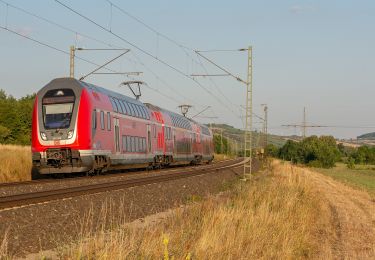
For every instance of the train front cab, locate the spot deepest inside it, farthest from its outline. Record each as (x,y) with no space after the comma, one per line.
(58,134)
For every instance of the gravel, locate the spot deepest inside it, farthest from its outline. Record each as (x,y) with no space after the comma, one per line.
(48,225)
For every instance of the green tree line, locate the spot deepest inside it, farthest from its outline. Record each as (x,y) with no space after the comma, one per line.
(322,152)
(15,119)
(312,151)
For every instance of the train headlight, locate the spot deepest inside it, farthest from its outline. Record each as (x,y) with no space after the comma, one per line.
(43,135)
(70,134)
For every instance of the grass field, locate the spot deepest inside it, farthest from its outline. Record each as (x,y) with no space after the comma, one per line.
(261,218)
(362,177)
(15,163)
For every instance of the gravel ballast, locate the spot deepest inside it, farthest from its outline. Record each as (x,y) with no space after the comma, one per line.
(48,225)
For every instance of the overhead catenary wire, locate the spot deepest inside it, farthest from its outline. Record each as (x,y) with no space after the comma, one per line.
(147,26)
(65,28)
(51,46)
(140,49)
(183,47)
(82,59)
(58,25)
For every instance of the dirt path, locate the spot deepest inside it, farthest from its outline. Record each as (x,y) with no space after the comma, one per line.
(352,217)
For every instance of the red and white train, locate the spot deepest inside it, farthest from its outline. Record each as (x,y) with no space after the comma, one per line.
(78,127)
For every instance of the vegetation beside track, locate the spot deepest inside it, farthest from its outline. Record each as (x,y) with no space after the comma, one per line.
(15,163)
(362,176)
(274,215)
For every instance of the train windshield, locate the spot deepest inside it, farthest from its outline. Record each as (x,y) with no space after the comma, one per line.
(58,108)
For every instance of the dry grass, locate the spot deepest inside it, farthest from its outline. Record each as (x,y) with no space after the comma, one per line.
(272,216)
(222,157)
(15,163)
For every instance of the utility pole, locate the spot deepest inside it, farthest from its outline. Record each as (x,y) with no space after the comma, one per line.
(265,124)
(72,54)
(304,123)
(73,50)
(249,101)
(221,141)
(248,116)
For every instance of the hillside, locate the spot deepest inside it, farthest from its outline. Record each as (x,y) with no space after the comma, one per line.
(368,136)
(238,135)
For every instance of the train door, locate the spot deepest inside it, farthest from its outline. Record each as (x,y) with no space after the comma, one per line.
(117,134)
(174,141)
(149,140)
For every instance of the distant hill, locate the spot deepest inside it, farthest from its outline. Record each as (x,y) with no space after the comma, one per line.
(238,134)
(368,136)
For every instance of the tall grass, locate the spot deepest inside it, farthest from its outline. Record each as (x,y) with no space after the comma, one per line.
(15,163)
(272,216)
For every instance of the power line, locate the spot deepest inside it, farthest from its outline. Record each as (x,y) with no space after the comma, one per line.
(50,46)
(139,49)
(82,34)
(57,24)
(183,47)
(147,26)
(85,60)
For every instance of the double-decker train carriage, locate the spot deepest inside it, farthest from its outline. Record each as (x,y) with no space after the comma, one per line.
(79,127)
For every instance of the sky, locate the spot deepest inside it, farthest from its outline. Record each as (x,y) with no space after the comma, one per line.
(314,54)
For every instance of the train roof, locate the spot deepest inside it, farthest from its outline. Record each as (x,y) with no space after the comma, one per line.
(177,119)
(75,84)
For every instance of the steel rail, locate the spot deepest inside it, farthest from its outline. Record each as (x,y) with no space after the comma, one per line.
(25,199)
(110,174)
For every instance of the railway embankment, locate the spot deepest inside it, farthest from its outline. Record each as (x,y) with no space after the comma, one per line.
(287,212)
(51,223)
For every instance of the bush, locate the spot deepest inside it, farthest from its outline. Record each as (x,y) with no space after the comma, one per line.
(350,163)
(313,151)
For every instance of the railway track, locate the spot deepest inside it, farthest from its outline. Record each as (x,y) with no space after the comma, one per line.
(106,176)
(68,192)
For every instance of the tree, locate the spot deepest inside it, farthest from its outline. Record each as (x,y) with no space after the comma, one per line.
(272,150)
(290,151)
(15,119)
(313,151)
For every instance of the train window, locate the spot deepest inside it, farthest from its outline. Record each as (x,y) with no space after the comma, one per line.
(136,113)
(146,113)
(102,120)
(122,107)
(128,146)
(132,140)
(141,114)
(108,121)
(143,110)
(144,145)
(132,112)
(119,106)
(94,119)
(114,105)
(125,108)
(139,111)
(123,143)
(140,148)
(128,108)
(136,144)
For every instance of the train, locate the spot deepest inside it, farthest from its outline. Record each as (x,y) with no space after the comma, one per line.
(81,128)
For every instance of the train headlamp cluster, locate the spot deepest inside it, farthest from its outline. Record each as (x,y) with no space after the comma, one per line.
(70,134)
(43,135)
